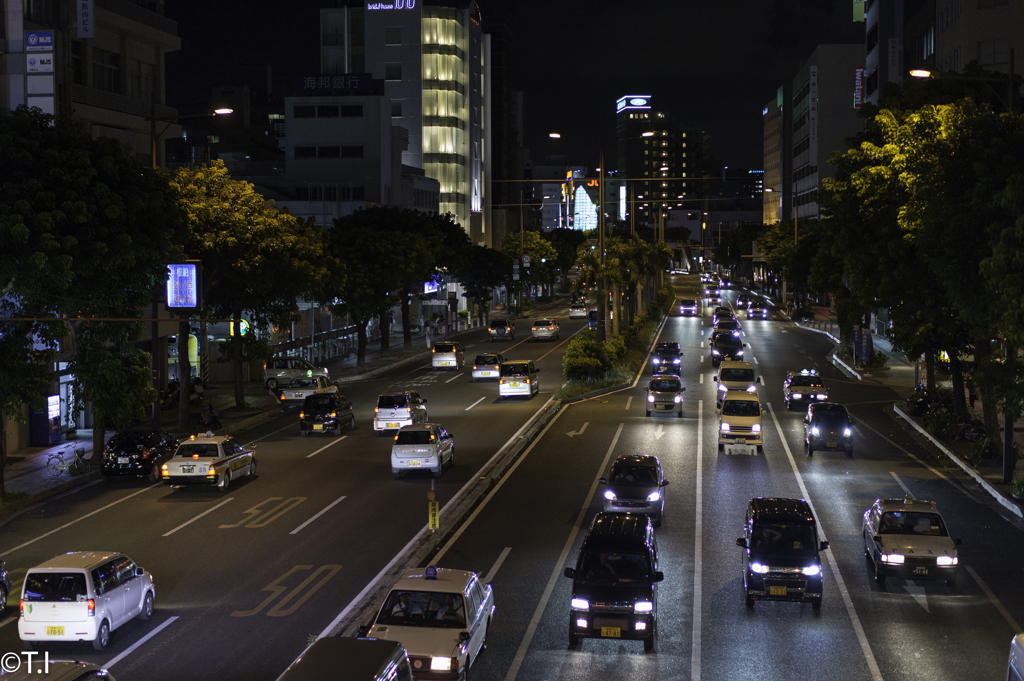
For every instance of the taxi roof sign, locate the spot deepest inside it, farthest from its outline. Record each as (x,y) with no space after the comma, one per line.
(430,572)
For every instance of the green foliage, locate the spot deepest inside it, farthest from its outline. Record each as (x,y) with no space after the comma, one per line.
(1018,486)
(118,384)
(256,348)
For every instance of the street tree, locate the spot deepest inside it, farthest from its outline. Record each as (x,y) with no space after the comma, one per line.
(517,244)
(482,272)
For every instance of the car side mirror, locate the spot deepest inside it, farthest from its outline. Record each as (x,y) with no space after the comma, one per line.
(682,390)
(362,631)
(603,481)
(659,576)
(763,410)
(663,483)
(822,546)
(852,422)
(741,542)
(423,401)
(878,540)
(958,542)
(715,379)
(806,420)
(570,573)
(463,636)
(139,572)
(536,371)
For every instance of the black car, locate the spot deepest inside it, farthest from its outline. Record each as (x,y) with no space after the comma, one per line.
(725,346)
(5,585)
(137,451)
(781,561)
(667,358)
(828,427)
(615,581)
(721,312)
(326,413)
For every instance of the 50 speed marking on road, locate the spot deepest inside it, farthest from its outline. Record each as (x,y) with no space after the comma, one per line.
(258,517)
(325,572)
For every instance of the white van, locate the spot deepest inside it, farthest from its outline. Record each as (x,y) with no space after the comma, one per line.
(739,422)
(518,377)
(83,596)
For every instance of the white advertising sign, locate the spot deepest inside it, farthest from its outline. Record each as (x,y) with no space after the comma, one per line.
(41,62)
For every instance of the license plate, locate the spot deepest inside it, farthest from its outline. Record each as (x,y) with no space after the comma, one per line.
(297,396)
(515,385)
(122,459)
(776,591)
(920,571)
(414,462)
(486,373)
(830,444)
(662,406)
(188,469)
(54,631)
(612,632)
(318,426)
(391,425)
(445,363)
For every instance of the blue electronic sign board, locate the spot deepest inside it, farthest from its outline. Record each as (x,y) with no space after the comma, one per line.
(183,285)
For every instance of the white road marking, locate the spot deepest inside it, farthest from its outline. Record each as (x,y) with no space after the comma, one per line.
(754,359)
(660,431)
(865,647)
(698,547)
(899,482)
(918,594)
(702,343)
(497,564)
(561,343)
(702,379)
(629,401)
(475,403)
(702,359)
(995,601)
(189,522)
(423,368)
(531,629)
(274,433)
(138,643)
(8,621)
(454,377)
(571,433)
(331,444)
(325,510)
(65,525)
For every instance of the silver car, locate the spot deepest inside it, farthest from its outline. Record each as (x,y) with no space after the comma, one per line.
(398,409)
(665,395)
(634,486)
(447,355)
(578,311)
(545,329)
(501,329)
(487,366)
(283,369)
(426,446)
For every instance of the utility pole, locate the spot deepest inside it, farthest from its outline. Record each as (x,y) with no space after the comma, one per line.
(602,288)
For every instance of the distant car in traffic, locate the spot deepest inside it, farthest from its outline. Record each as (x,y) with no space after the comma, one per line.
(545,329)
(398,409)
(592,320)
(803,387)
(209,460)
(742,301)
(908,538)
(665,395)
(5,586)
(578,311)
(283,369)
(714,299)
(501,329)
(734,376)
(518,378)
(59,670)
(327,413)
(487,366)
(739,421)
(424,446)
(634,485)
(447,355)
(666,358)
(721,312)
(728,324)
(687,306)
(297,390)
(366,659)
(138,451)
(828,427)
(757,310)
(725,346)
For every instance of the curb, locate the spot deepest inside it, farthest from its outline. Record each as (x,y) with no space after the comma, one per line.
(32,499)
(985,484)
(846,368)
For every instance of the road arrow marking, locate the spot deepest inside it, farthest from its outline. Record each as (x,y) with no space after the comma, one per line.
(919,595)
(661,431)
(580,431)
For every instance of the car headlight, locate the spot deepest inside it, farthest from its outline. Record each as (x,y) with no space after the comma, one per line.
(643,606)
(847,432)
(654,496)
(580,604)
(722,388)
(609,495)
(759,568)
(822,396)
(736,333)
(724,427)
(656,360)
(752,388)
(650,397)
(893,558)
(739,353)
(812,570)
(677,399)
(714,352)
(814,431)
(756,428)
(675,361)
(946,561)
(796,396)
(441,664)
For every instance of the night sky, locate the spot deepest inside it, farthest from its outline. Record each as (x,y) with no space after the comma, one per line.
(712,63)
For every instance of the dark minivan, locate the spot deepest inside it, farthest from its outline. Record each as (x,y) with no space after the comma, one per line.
(615,581)
(326,413)
(781,562)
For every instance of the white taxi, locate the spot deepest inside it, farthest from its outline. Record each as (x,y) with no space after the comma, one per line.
(908,538)
(209,460)
(441,616)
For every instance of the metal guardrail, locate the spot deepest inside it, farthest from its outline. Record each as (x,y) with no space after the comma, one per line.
(297,343)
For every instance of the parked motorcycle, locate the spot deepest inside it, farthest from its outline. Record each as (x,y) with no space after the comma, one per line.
(209,421)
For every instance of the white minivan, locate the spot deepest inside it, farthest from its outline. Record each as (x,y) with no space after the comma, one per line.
(518,378)
(83,596)
(739,422)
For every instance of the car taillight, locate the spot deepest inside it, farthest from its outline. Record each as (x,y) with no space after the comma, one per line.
(282,398)
(334,414)
(145,452)
(474,367)
(408,410)
(376,410)
(501,381)
(21,608)
(527,381)
(92,607)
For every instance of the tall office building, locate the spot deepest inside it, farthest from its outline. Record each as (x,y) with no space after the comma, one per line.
(431,57)
(777,199)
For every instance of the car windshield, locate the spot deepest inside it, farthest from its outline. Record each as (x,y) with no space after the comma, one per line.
(303,383)
(812,381)
(413,437)
(913,522)
(578,307)
(600,567)
(781,539)
(497,323)
(319,402)
(739,375)
(727,323)
(68,587)
(727,340)
(741,408)
(830,421)
(686,302)
(626,474)
(423,609)
(665,385)
(444,347)
(190,449)
(391,402)
(514,369)
(542,322)
(486,359)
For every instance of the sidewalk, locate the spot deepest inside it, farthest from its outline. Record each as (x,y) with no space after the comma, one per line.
(25,474)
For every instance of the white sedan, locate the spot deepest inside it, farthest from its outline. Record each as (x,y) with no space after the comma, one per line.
(209,460)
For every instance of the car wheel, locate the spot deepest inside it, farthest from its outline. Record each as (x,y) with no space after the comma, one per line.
(879,573)
(849,453)
(147,607)
(760,449)
(437,471)
(657,520)
(271,383)
(395,473)
(867,551)
(3,599)
(750,601)
(352,423)
(379,433)
(224,481)
(649,643)
(574,640)
(102,639)
(648,412)
(451,459)
(679,414)
(816,605)
(251,473)
(303,433)
(810,450)
(30,645)
(154,473)
(721,447)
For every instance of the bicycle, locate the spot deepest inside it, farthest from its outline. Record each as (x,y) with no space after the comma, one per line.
(56,464)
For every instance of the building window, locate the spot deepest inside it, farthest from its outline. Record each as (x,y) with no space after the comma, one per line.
(358,194)
(393,35)
(106,71)
(304,111)
(352,111)
(327,111)
(305,152)
(328,152)
(393,71)
(141,80)
(396,109)
(352,151)
(77,63)
(872,82)
(872,39)
(992,52)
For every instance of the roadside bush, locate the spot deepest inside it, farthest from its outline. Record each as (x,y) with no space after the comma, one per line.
(582,368)
(878,360)
(614,349)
